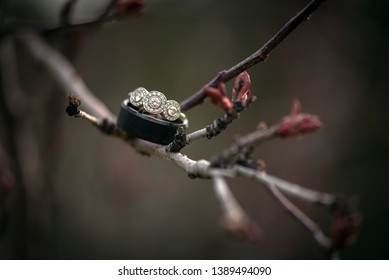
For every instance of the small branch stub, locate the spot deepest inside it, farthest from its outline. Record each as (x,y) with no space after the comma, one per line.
(105,125)
(73,108)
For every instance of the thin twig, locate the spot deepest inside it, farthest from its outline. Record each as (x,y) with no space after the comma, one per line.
(259,56)
(232,211)
(196,135)
(212,130)
(257,137)
(312,196)
(103,124)
(72,27)
(229,155)
(194,168)
(92,119)
(115,10)
(220,124)
(64,73)
(299,215)
(234,218)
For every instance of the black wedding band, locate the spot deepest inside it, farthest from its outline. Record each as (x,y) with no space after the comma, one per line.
(147,127)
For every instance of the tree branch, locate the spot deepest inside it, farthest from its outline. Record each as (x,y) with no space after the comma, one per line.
(308,195)
(299,215)
(295,124)
(212,130)
(196,135)
(234,219)
(64,73)
(259,56)
(230,155)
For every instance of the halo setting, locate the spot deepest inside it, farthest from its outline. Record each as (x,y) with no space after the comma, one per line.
(172,110)
(136,97)
(154,102)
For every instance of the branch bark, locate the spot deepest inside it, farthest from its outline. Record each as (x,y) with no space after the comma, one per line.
(234,218)
(299,215)
(300,192)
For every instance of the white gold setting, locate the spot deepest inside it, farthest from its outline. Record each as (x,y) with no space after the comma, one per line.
(136,96)
(172,110)
(154,102)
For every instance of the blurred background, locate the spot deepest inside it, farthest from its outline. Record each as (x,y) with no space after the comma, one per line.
(92,197)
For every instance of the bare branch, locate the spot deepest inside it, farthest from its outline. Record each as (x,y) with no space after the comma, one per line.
(259,56)
(64,73)
(295,124)
(181,139)
(231,209)
(196,135)
(92,119)
(302,218)
(194,168)
(312,196)
(299,215)
(215,128)
(234,218)
(106,126)
(115,10)
(229,156)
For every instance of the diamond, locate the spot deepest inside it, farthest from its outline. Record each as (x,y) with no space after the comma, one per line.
(154,102)
(172,110)
(137,96)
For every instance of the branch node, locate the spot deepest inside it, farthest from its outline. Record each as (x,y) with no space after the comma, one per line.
(110,128)
(221,124)
(179,141)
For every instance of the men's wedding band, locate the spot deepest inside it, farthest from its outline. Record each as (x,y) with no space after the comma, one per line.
(148,127)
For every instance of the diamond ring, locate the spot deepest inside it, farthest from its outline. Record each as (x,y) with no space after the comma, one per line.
(172,110)
(136,96)
(155,103)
